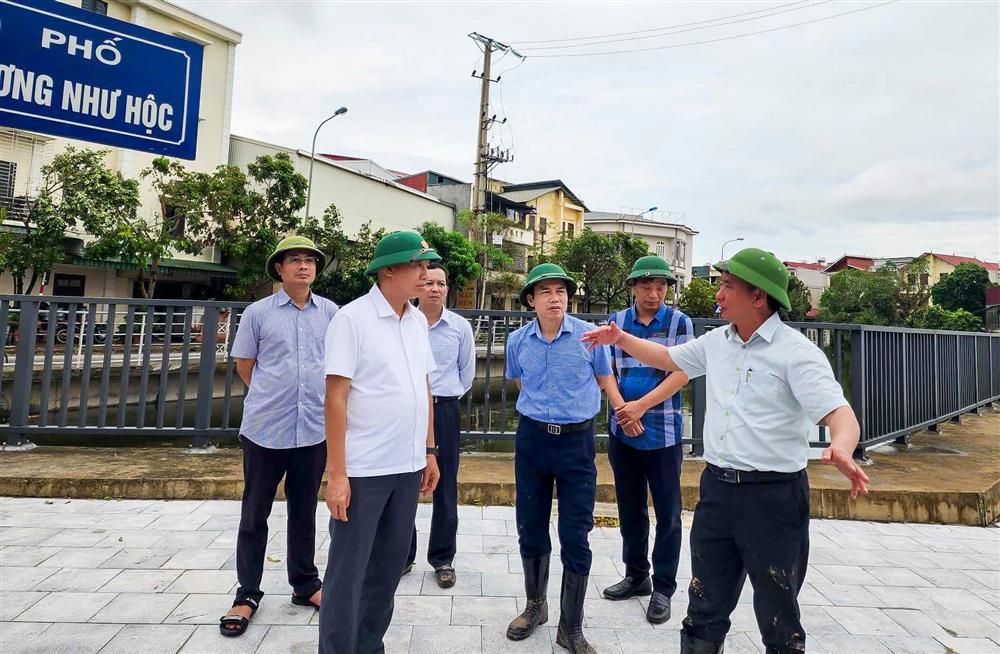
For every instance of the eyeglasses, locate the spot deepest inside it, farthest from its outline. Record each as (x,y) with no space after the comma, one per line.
(297,261)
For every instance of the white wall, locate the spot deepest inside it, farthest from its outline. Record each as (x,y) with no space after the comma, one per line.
(359,197)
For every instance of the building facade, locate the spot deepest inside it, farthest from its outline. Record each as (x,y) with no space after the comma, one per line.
(359,195)
(665,238)
(23,154)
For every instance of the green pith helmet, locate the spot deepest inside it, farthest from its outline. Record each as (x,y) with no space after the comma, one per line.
(401,247)
(543,272)
(761,269)
(650,267)
(293,243)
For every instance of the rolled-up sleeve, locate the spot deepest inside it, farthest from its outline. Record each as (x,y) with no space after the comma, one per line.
(513,370)
(602,361)
(690,357)
(813,385)
(245,343)
(342,347)
(466,357)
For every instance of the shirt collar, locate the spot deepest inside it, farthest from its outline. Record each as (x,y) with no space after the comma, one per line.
(445,318)
(766,330)
(658,317)
(565,327)
(384,309)
(284,298)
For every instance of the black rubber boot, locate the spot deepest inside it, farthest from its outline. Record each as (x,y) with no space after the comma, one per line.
(692,645)
(536,610)
(570,633)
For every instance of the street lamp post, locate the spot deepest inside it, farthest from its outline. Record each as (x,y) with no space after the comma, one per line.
(640,216)
(312,156)
(732,240)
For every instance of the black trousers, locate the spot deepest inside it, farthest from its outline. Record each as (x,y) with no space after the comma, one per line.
(444,519)
(755,529)
(263,468)
(367,554)
(567,459)
(639,473)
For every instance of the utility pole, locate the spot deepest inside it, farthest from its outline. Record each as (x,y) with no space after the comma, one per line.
(486,157)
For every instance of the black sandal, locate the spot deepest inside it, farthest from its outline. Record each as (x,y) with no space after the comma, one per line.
(305,601)
(236,625)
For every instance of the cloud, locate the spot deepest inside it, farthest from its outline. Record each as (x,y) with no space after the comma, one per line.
(861,133)
(918,190)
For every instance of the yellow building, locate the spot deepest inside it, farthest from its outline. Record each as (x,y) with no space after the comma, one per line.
(23,154)
(940,266)
(558,210)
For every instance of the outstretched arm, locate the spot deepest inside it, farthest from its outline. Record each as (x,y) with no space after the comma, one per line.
(652,354)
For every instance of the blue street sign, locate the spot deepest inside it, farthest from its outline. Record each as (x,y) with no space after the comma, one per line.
(73,73)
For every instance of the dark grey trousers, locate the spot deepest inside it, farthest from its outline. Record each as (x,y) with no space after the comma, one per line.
(367,554)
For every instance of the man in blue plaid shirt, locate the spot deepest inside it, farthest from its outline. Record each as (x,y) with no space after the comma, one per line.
(645,444)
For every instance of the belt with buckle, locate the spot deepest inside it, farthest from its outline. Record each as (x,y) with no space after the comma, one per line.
(731,476)
(557,429)
(438,399)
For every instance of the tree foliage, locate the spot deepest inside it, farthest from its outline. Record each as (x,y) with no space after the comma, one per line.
(459,256)
(698,298)
(914,287)
(344,278)
(860,297)
(600,263)
(77,188)
(799,298)
(937,317)
(965,288)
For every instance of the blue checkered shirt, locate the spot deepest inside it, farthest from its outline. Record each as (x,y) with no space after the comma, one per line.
(283,407)
(662,423)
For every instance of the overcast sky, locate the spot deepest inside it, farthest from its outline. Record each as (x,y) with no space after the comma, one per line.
(873,133)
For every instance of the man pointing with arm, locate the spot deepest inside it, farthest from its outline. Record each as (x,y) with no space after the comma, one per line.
(767,385)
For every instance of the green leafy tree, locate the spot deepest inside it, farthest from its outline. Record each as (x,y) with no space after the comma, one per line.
(860,297)
(140,241)
(601,263)
(245,214)
(505,284)
(481,227)
(344,279)
(458,253)
(914,288)
(77,187)
(799,298)
(965,288)
(937,317)
(698,298)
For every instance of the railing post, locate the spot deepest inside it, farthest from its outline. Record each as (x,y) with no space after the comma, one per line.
(859,387)
(24,364)
(958,378)
(206,375)
(936,371)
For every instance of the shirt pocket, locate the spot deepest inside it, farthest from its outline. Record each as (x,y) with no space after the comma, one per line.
(762,391)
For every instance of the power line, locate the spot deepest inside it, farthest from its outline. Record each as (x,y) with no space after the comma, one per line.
(716,40)
(658,29)
(679,31)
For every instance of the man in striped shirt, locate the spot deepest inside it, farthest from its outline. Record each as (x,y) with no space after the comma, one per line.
(645,444)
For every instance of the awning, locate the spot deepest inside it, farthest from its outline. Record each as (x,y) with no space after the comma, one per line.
(166,265)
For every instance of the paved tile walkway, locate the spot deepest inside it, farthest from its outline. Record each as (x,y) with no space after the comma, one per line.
(141,576)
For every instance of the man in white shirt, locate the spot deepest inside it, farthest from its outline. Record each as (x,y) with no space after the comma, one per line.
(767,386)
(380,444)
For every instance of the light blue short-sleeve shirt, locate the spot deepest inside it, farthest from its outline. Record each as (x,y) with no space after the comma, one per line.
(557,376)
(764,395)
(283,407)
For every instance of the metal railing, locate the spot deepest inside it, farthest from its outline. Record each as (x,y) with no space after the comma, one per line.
(149,368)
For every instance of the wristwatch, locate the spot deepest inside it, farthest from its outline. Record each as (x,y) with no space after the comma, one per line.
(432,450)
